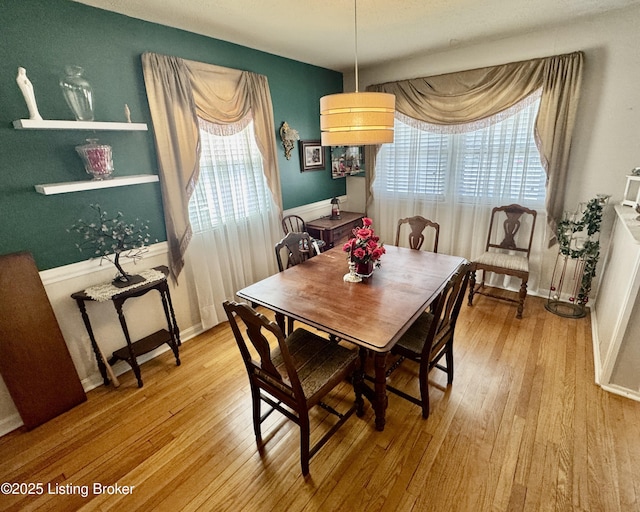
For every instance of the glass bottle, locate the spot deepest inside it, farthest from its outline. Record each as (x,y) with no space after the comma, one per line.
(77,93)
(97,159)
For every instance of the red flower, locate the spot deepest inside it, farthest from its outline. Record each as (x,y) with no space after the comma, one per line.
(364,233)
(365,246)
(348,246)
(359,253)
(377,253)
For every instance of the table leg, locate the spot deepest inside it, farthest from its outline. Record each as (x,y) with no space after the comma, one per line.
(94,345)
(164,293)
(380,387)
(280,321)
(132,356)
(175,331)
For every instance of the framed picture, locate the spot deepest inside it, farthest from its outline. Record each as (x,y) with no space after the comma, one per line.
(347,161)
(311,155)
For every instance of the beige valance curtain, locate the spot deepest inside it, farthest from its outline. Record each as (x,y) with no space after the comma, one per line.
(179,91)
(470,96)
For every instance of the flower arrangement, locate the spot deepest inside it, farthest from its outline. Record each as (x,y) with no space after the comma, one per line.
(365,247)
(111,236)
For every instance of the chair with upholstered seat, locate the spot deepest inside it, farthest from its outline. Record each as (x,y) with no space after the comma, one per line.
(430,338)
(417,225)
(294,375)
(295,224)
(507,257)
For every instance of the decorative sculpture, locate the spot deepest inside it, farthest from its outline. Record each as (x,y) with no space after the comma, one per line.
(288,136)
(27,91)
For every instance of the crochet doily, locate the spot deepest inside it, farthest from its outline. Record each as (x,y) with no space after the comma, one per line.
(105,291)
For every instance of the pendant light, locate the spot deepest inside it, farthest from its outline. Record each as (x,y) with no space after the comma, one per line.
(357,118)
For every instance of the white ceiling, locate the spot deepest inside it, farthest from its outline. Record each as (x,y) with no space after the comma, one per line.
(321,32)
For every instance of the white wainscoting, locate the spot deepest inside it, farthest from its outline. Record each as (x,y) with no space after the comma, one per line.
(314,211)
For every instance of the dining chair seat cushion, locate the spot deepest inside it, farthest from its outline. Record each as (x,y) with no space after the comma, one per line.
(502,260)
(315,359)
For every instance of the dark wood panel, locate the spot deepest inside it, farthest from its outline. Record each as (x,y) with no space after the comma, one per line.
(34,359)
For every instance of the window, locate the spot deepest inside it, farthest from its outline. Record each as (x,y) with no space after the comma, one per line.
(498,164)
(232,185)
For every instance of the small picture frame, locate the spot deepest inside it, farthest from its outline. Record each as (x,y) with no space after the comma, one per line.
(347,161)
(311,155)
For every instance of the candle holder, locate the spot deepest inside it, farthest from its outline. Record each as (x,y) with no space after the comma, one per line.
(352,277)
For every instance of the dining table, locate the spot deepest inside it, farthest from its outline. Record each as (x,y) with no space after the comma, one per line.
(372,314)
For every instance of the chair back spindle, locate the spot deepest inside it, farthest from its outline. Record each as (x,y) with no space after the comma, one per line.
(293,224)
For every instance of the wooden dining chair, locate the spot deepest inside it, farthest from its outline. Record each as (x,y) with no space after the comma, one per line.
(416,236)
(509,256)
(298,247)
(293,376)
(430,338)
(295,224)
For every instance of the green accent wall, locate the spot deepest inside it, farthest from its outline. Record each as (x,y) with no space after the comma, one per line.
(44,36)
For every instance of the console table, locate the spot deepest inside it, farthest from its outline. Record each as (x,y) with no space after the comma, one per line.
(133,349)
(333,232)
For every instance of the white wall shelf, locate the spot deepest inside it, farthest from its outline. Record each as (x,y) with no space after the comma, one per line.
(33,124)
(78,186)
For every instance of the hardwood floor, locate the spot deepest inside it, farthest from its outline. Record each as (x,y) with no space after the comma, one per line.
(523,428)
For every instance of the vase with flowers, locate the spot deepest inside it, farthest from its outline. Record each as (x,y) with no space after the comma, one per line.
(365,249)
(111,238)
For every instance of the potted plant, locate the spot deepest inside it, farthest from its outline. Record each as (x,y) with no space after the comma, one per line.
(110,238)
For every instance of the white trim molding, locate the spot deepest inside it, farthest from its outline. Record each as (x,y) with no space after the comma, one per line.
(91,266)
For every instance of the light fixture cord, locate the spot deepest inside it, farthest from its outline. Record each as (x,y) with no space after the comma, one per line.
(355,23)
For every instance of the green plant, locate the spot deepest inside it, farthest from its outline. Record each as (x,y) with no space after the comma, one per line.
(110,236)
(589,252)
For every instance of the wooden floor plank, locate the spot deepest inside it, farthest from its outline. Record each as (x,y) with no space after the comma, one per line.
(523,428)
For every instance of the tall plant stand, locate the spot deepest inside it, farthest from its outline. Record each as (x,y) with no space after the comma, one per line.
(564,292)
(578,253)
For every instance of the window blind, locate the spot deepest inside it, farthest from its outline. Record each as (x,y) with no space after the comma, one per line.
(496,164)
(232,185)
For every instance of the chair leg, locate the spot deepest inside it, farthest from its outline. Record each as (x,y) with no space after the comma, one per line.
(255,398)
(358,385)
(424,389)
(449,359)
(521,296)
(472,286)
(304,442)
